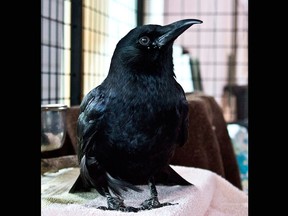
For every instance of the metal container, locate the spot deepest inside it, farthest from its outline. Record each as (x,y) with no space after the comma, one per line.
(53,126)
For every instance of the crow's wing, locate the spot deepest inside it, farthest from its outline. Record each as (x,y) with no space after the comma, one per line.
(183,110)
(90,121)
(90,118)
(92,110)
(168,176)
(184,123)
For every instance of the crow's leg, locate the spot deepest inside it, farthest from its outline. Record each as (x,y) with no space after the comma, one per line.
(153,202)
(116,203)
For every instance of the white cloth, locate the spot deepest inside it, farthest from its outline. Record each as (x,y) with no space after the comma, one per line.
(211,195)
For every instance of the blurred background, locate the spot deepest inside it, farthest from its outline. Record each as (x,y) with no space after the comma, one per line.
(78,38)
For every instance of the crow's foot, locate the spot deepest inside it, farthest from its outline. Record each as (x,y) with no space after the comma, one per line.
(115,203)
(153,202)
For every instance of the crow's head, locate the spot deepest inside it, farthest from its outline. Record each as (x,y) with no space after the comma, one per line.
(150,45)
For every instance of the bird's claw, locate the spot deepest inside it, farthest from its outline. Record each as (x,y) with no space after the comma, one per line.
(149,204)
(130,209)
(153,202)
(102,208)
(123,209)
(115,203)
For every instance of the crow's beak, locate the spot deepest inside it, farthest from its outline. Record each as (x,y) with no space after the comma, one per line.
(173,30)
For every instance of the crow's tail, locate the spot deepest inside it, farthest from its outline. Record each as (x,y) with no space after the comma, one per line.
(115,185)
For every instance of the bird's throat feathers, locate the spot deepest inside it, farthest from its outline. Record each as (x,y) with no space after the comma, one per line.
(139,64)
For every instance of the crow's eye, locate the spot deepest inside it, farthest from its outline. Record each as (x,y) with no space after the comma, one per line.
(144,40)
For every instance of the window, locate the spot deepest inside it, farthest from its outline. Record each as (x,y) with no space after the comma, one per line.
(55,51)
(102,22)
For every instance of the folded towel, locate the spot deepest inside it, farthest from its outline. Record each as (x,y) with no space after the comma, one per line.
(211,195)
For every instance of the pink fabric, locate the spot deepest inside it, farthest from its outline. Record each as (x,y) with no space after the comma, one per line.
(211,195)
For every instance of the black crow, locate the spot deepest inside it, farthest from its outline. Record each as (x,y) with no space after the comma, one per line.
(130,125)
